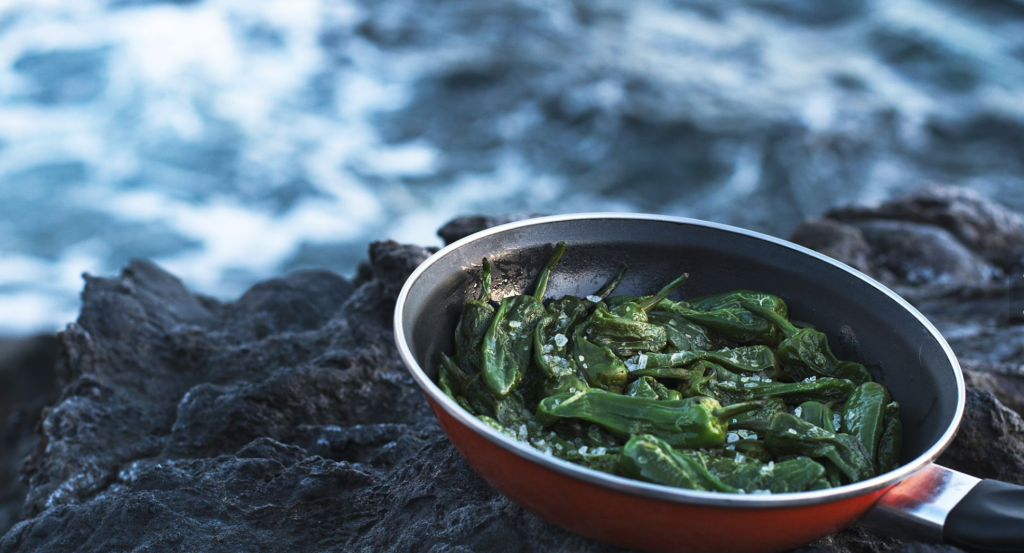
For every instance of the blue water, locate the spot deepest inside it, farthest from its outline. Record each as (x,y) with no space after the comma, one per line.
(234,140)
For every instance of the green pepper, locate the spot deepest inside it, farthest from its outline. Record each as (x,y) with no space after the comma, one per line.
(736,297)
(771,406)
(789,435)
(805,352)
(671,373)
(646,457)
(603,369)
(725,315)
(822,416)
(818,389)
(625,330)
(510,410)
(506,346)
(622,333)
(818,414)
(749,359)
(864,415)
(476,317)
(752,476)
(888,457)
(684,335)
(650,388)
(551,339)
(643,387)
(691,422)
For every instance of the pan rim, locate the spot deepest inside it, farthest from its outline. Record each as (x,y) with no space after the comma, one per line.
(657,491)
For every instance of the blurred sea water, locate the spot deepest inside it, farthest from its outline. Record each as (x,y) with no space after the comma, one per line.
(232,140)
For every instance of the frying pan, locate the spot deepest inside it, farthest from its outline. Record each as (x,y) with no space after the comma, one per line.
(866,322)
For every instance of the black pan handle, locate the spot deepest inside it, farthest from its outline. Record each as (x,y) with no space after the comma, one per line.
(941,505)
(989,519)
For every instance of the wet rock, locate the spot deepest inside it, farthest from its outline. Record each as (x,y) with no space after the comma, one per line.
(990,442)
(916,254)
(843,242)
(936,236)
(461,227)
(28,381)
(980,224)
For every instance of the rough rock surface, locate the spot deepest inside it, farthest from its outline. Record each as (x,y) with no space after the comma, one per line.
(461,227)
(938,235)
(284,421)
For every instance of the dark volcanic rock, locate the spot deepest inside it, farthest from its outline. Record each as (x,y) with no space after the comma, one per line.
(983,226)
(936,236)
(28,381)
(461,227)
(285,422)
(843,242)
(1003,380)
(990,443)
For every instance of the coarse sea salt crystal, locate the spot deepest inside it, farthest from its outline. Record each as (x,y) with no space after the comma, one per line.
(583,450)
(797,411)
(836,420)
(791,431)
(750,385)
(594,299)
(641,362)
(515,324)
(600,451)
(732,437)
(561,340)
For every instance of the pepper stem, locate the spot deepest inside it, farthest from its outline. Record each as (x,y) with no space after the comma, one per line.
(785,326)
(542,280)
(485,279)
(650,302)
(737,409)
(612,284)
(460,377)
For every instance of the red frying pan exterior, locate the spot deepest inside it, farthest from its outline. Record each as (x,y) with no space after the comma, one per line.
(614,516)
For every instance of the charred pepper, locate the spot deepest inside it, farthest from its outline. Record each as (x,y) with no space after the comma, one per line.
(506,346)
(805,352)
(691,422)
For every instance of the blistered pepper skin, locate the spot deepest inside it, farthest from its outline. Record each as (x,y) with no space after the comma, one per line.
(804,352)
(476,318)
(725,315)
(790,435)
(749,359)
(864,415)
(507,344)
(646,457)
(691,422)
(891,443)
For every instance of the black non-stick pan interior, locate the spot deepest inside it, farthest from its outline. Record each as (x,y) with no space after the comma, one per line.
(864,323)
